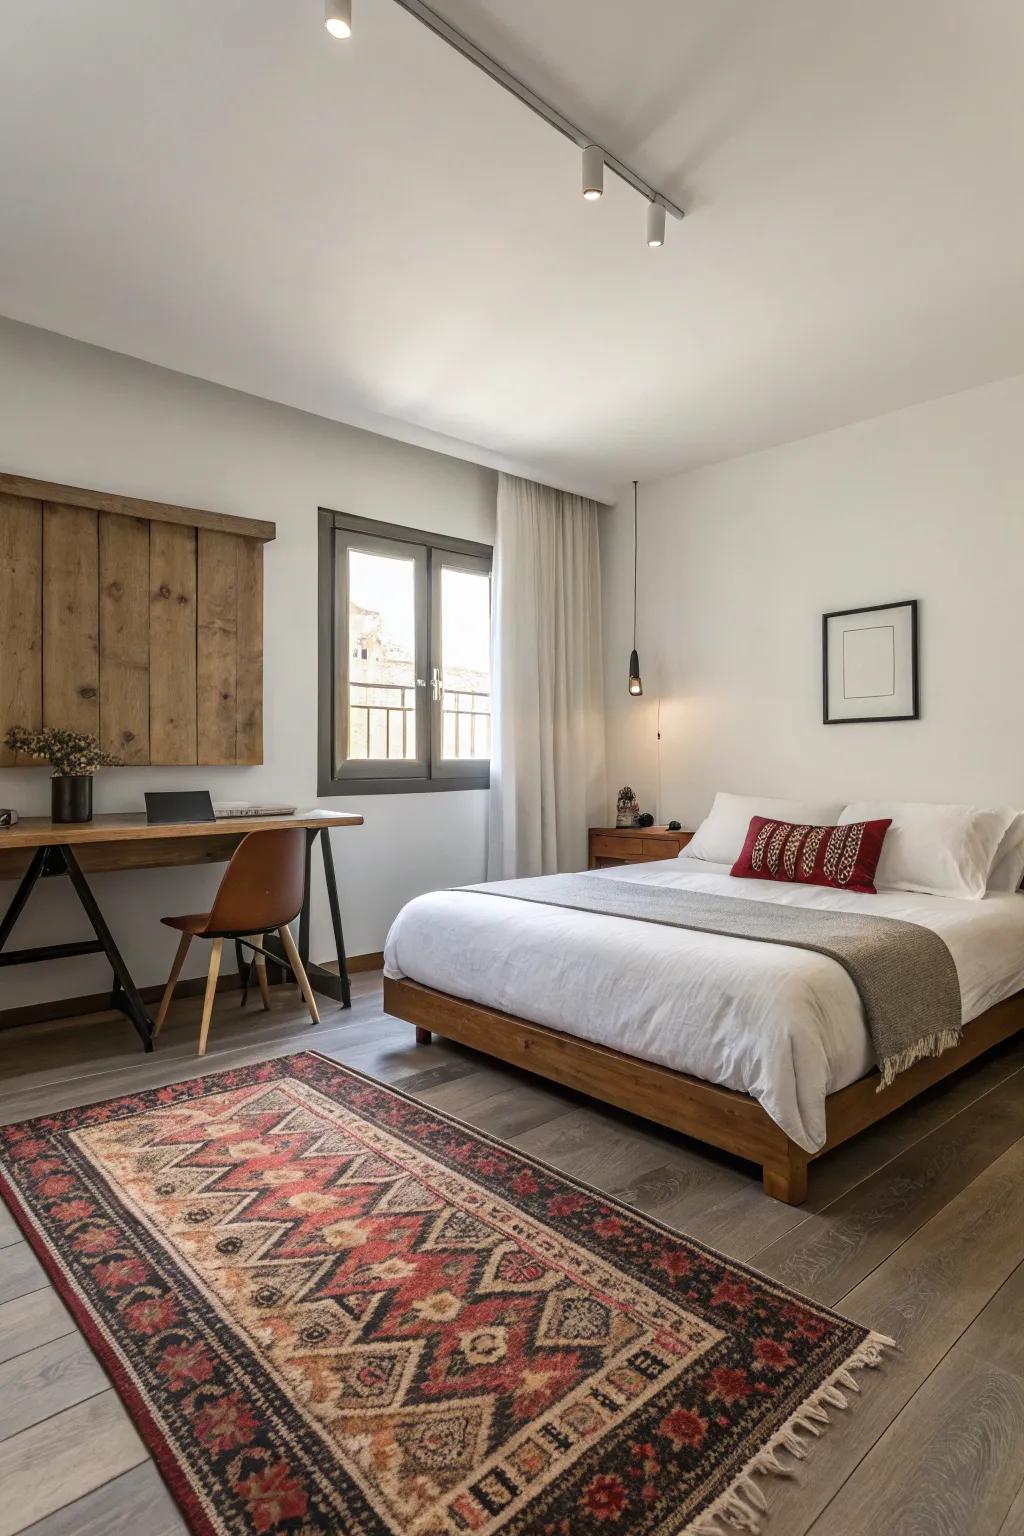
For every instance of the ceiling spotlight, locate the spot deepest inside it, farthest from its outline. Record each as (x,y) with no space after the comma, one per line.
(655,224)
(338,17)
(593,173)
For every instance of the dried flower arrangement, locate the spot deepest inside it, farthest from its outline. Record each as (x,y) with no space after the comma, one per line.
(68,752)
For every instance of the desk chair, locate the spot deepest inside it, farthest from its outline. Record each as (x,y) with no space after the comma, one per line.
(262,889)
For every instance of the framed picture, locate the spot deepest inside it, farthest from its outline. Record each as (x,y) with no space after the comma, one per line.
(869,664)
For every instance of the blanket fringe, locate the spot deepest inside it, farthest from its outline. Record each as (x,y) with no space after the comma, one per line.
(742,1505)
(928,1045)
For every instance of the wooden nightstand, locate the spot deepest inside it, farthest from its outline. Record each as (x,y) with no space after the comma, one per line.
(633,845)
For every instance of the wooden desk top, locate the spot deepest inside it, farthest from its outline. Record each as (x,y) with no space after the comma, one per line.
(40,831)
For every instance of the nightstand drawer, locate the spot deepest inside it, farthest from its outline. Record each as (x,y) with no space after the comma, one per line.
(607,847)
(661,847)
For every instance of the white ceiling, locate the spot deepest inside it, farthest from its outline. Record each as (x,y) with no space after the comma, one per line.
(374,231)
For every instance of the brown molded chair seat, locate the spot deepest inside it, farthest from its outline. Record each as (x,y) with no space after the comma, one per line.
(262,888)
(193,922)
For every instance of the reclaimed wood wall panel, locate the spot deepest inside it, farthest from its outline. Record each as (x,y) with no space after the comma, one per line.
(21,618)
(138,622)
(172,644)
(124,636)
(249,668)
(216,646)
(71,660)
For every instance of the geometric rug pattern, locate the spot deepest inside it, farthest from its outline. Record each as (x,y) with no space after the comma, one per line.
(330,1309)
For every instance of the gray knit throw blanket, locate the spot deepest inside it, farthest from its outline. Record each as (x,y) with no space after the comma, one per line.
(904,973)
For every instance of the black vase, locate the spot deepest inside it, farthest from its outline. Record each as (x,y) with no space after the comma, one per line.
(71,797)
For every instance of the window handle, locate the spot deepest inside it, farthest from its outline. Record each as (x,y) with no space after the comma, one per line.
(437,684)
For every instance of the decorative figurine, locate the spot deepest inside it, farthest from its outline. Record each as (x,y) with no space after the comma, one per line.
(675,826)
(646,820)
(627,808)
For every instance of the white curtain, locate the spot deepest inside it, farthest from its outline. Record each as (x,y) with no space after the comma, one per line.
(547,745)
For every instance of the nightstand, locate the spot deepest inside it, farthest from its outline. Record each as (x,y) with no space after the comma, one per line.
(633,845)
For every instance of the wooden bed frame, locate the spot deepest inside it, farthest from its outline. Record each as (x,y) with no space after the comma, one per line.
(733,1121)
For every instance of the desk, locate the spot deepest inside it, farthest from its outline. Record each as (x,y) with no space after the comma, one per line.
(38,848)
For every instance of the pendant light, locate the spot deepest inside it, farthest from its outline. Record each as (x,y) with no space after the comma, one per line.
(636,686)
(655,225)
(593,173)
(338,17)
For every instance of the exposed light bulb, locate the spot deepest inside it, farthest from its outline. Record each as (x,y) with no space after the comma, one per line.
(593,173)
(338,17)
(655,224)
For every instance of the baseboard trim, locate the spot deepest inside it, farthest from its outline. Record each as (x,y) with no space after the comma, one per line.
(192,986)
(99,1002)
(356,963)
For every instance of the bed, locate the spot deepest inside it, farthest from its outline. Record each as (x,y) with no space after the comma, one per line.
(755,1048)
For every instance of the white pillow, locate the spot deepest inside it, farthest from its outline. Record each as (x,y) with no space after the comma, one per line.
(722,833)
(1008,868)
(942,850)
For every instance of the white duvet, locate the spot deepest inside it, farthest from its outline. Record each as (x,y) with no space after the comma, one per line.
(782,1024)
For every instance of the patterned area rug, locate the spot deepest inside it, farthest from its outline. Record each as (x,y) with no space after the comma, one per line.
(331,1310)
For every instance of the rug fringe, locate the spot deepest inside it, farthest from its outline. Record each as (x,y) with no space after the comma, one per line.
(742,1504)
(928,1045)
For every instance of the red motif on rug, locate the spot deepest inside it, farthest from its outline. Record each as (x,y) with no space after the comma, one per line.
(332,1310)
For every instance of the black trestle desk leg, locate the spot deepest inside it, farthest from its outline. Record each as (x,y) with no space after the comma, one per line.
(311,837)
(332,898)
(125,994)
(22,894)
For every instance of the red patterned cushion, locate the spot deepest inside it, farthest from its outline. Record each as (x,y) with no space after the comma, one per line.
(842,857)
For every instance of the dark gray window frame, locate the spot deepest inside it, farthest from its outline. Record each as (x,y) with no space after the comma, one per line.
(427,773)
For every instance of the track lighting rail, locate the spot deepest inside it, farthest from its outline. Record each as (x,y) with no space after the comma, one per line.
(503,77)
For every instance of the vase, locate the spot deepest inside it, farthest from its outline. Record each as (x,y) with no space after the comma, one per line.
(71,797)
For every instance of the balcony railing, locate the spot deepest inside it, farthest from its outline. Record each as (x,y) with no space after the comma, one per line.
(382,722)
(465,724)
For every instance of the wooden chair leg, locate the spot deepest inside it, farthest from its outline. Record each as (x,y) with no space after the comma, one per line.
(299,969)
(423,1036)
(172,982)
(261,970)
(211,992)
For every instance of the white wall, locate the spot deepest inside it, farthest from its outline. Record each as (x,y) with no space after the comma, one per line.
(83,416)
(739,560)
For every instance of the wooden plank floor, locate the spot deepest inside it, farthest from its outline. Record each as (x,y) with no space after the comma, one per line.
(915,1228)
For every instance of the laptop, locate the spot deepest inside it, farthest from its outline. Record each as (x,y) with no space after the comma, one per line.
(166,807)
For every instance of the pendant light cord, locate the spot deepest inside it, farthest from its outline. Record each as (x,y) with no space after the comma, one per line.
(634,563)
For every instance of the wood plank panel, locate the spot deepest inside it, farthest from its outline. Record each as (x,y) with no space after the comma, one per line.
(925,1295)
(1013,1525)
(217,647)
(21,617)
(20,1272)
(33,1319)
(47,1379)
(249,649)
(135,1504)
(172,644)
(825,1260)
(966,1426)
(9,1230)
(135,506)
(63,1458)
(124,636)
(71,681)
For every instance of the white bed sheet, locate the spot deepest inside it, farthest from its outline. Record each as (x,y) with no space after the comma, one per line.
(782,1024)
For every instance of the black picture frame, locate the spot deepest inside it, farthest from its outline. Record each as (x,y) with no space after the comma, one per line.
(910,604)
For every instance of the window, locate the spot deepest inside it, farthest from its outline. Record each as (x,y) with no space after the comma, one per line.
(405,659)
